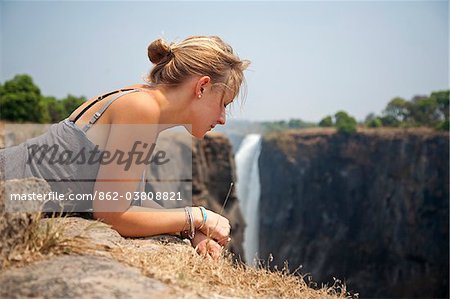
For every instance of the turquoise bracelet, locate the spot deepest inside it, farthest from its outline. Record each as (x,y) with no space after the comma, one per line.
(205,216)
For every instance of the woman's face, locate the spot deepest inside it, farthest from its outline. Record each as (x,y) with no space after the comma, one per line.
(209,111)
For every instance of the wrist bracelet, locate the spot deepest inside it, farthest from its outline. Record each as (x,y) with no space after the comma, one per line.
(185,231)
(188,233)
(204,216)
(191,223)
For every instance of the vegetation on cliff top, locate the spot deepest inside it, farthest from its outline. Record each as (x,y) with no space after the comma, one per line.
(421,111)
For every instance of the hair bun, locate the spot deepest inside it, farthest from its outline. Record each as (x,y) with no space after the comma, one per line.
(158,50)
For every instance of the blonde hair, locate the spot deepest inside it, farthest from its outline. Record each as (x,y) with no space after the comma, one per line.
(196,55)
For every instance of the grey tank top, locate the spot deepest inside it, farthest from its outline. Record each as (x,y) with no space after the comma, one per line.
(64,178)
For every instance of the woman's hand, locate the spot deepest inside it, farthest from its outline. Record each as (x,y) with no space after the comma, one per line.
(216,227)
(204,245)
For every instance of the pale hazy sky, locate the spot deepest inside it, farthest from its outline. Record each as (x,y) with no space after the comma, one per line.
(310,58)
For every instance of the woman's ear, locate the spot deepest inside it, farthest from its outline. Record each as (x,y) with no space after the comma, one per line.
(201,85)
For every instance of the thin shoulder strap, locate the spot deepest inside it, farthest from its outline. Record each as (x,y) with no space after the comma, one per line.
(99,113)
(97,100)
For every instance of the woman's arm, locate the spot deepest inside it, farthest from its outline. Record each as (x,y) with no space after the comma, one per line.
(201,242)
(142,221)
(139,126)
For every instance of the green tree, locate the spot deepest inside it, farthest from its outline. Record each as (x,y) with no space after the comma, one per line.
(442,102)
(55,109)
(396,111)
(21,83)
(294,123)
(424,111)
(369,117)
(374,123)
(21,100)
(340,115)
(327,121)
(274,125)
(443,125)
(298,123)
(70,103)
(345,123)
(389,121)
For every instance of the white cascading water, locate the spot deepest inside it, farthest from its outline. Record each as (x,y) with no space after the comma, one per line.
(248,190)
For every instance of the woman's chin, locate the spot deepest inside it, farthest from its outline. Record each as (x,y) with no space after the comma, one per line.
(199,134)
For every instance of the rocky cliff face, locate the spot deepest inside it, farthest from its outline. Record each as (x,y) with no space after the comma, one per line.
(371,208)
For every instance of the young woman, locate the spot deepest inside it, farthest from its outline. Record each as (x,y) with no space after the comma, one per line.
(191,84)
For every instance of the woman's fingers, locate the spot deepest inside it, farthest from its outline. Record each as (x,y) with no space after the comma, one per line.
(214,251)
(204,245)
(210,247)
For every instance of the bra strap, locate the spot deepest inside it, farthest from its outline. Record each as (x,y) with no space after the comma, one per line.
(99,113)
(95,101)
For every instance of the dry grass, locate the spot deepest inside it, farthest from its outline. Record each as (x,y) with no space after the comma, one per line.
(175,264)
(42,241)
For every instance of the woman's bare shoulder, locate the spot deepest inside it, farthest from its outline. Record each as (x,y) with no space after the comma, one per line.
(136,107)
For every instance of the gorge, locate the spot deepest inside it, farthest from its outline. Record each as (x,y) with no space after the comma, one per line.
(369,208)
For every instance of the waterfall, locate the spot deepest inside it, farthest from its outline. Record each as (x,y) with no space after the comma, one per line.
(248,190)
